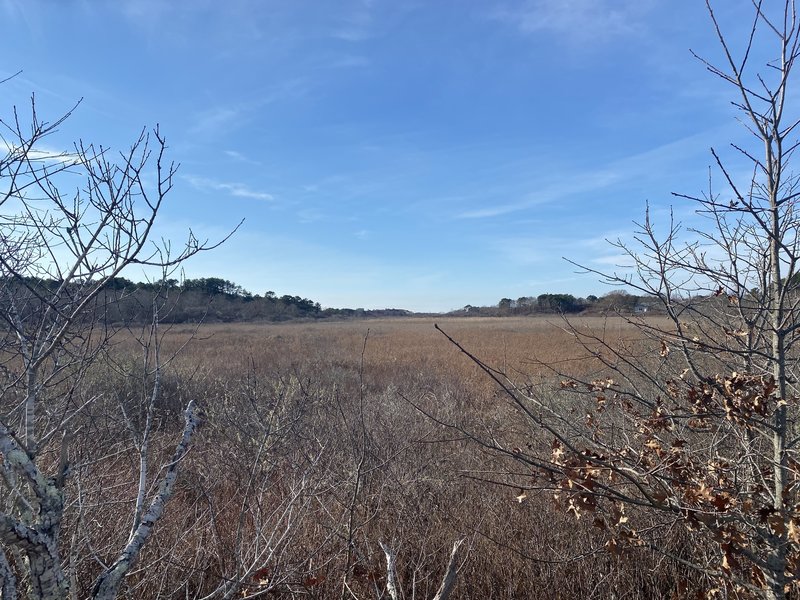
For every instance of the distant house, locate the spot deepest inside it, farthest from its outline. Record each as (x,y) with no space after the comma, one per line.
(652,306)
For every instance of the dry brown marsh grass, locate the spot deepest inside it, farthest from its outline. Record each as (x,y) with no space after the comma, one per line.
(293,407)
(513,344)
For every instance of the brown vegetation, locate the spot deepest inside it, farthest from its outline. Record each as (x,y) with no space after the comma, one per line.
(308,453)
(312,453)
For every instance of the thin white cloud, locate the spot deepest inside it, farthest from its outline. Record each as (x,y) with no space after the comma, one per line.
(13,8)
(548,193)
(546,250)
(623,261)
(238,190)
(577,20)
(17,11)
(492,211)
(308,215)
(288,90)
(40,153)
(356,26)
(349,62)
(215,119)
(352,34)
(238,156)
(640,166)
(225,118)
(144,10)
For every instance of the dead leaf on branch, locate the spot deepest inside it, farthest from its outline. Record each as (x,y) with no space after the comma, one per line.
(618,514)
(558,452)
(598,385)
(729,560)
(313,581)
(614,547)
(723,502)
(741,333)
(655,446)
(777,524)
(601,402)
(794,531)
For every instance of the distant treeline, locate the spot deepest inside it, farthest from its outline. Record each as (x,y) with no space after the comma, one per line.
(206,299)
(213,299)
(615,301)
(218,300)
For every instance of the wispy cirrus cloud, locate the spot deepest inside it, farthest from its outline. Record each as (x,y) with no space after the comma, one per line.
(239,157)
(39,153)
(19,11)
(236,189)
(145,12)
(224,118)
(548,193)
(544,248)
(577,20)
(352,34)
(215,119)
(349,62)
(642,166)
(361,20)
(355,26)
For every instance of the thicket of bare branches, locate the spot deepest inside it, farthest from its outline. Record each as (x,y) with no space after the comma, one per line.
(71,222)
(122,478)
(696,429)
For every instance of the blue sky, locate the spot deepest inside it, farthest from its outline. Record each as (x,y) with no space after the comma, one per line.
(414,154)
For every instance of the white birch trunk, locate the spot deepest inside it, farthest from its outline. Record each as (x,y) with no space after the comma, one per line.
(107,587)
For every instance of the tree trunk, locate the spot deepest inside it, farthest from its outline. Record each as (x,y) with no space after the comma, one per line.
(107,587)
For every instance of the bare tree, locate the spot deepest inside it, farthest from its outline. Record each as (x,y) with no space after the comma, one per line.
(58,252)
(693,422)
(448,579)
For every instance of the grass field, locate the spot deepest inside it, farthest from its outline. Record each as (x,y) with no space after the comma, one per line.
(511,343)
(316,447)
